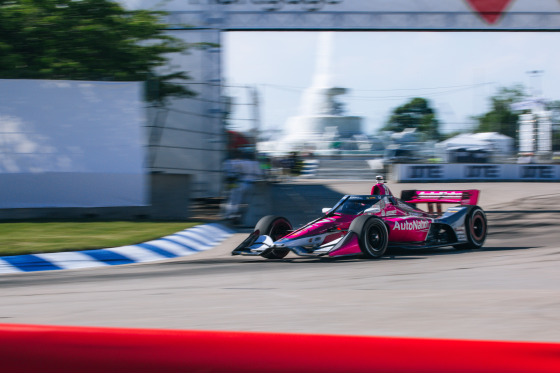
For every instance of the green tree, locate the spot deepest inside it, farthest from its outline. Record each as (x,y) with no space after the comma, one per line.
(88,40)
(501,118)
(418,114)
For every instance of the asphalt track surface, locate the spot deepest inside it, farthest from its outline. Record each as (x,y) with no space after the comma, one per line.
(509,290)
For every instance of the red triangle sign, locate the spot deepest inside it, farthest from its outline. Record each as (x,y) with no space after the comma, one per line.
(490,10)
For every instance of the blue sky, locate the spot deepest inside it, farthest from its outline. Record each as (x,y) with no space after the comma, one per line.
(456,71)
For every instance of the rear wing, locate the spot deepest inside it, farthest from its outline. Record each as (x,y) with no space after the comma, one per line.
(463,197)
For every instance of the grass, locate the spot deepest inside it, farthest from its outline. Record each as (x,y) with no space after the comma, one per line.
(17,238)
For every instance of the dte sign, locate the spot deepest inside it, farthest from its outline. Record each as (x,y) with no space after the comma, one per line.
(425,172)
(542,171)
(482,171)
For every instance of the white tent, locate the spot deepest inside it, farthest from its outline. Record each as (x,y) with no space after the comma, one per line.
(462,141)
(502,144)
(489,141)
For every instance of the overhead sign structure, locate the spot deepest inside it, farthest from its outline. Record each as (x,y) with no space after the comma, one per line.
(367,14)
(188,136)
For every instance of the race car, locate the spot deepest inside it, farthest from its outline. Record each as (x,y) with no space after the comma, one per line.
(367,225)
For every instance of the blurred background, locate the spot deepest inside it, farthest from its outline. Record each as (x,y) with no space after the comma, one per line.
(135,109)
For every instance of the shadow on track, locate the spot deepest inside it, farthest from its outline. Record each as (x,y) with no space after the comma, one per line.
(416,254)
(452,251)
(392,254)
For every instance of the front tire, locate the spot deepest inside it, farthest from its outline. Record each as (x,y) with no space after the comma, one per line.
(476,229)
(276,227)
(373,235)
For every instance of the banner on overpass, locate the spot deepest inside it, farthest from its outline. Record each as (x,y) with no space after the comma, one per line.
(71,144)
(486,172)
(359,15)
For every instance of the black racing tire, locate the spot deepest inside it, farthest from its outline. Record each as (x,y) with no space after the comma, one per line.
(476,229)
(373,235)
(276,227)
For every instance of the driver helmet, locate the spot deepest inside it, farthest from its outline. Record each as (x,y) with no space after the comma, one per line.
(379,188)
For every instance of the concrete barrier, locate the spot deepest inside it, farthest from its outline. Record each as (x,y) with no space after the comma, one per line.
(259,203)
(300,203)
(170,196)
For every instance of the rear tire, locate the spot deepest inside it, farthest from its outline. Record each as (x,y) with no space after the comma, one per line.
(276,227)
(373,235)
(476,229)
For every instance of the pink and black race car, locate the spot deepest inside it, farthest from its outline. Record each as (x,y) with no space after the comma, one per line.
(368,224)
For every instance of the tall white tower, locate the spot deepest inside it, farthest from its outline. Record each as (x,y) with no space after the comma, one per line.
(321,116)
(535,128)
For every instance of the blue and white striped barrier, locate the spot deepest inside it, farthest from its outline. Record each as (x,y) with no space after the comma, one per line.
(182,243)
(309,168)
